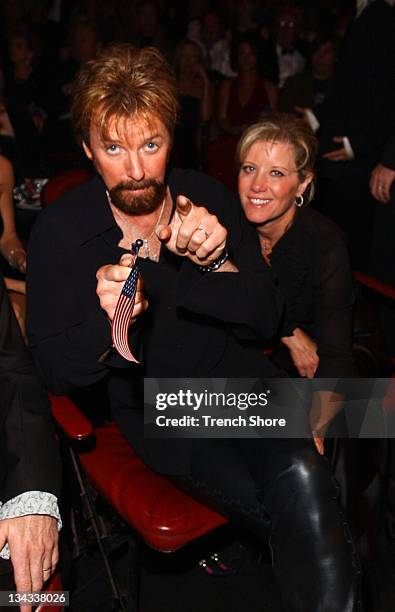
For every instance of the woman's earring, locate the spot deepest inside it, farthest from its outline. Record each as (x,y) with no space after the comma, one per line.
(299,201)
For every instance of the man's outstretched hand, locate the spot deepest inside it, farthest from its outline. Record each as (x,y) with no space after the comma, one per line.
(193,232)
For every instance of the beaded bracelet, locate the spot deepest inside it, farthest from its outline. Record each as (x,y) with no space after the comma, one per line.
(217,263)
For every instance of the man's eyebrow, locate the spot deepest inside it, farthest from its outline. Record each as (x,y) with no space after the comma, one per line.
(152,136)
(107,139)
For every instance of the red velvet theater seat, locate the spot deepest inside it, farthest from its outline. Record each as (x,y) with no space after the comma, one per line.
(63,182)
(165,517)
(161,514)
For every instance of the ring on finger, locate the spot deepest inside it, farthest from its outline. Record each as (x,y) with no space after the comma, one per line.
(47,569)
(201,229)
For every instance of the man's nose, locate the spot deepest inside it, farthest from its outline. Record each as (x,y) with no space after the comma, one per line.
(134,167)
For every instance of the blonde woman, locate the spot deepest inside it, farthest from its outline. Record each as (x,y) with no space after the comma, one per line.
(306,251)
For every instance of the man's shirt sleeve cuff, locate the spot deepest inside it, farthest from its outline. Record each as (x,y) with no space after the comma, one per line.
(348,148)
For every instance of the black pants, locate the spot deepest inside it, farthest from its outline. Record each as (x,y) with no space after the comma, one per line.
(283,491)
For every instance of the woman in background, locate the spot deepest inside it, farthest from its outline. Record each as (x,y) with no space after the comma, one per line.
(196,105)
(243,99)
(11,248)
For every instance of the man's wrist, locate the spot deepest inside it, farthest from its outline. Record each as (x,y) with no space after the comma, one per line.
(29,503)
(216,264)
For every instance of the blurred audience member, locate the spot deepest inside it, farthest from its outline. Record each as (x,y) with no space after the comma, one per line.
(11,248)
(354,124)
(12,12)
(284,58)
(19,139)
(241,101)
(148,28)
(84,44)
(310,88)
(383,175)
(244,98)
(382,257)
(214,40)
(244,17)
(197,10)
(196,102)
(24,85)
(48,32)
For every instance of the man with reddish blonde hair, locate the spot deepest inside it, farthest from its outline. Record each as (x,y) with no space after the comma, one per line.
(125,82)
(207,304)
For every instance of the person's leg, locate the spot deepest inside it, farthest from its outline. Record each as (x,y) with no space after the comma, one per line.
(283,490)
(314,559)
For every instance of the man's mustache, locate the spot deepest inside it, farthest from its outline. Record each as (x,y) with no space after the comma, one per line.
(134,185)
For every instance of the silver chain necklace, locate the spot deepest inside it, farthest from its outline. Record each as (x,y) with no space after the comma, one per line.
(145,241)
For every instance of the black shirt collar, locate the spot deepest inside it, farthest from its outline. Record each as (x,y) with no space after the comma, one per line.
(94,216)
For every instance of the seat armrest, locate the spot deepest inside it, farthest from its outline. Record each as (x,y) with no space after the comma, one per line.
(74,424)
(375,284)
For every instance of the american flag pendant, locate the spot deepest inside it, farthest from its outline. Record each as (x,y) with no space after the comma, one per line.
(124,308)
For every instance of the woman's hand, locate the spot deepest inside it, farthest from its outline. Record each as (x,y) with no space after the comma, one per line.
(17,259)
(303,352)
(194,233)
(12,250)
(110,281)
(319,444)
(326,405)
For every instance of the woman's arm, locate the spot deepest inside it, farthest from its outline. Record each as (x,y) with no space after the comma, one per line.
(333,303)
(10,245)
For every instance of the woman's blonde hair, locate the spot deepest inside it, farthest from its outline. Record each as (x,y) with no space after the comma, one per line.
(287,129)
(120,83)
